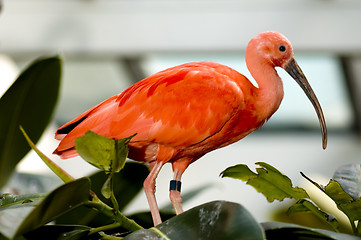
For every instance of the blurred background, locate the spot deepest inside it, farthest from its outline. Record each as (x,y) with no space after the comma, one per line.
(108,45)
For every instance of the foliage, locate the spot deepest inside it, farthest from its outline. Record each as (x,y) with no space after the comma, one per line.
(345,193)
(91,207)
(278,230)
(274,185)
(214,220)
(29,102)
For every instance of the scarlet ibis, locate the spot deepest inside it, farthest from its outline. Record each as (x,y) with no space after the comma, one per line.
(184,112)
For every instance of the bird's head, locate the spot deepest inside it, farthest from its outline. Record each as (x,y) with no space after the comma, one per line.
(275,49)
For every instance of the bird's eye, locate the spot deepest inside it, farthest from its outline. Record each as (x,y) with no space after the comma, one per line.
(282,48)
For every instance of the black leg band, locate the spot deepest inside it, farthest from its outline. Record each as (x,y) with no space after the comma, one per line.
(175,185)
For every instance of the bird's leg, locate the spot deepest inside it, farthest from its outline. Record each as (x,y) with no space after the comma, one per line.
(174,192)
(149,189)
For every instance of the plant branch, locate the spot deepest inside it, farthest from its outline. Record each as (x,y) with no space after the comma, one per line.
(117,216)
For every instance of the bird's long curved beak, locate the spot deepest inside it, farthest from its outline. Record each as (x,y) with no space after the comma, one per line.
(295,71)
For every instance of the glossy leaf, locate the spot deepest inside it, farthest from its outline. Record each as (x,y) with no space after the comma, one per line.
(268,181)
(349,178)
(127,184)
(64,176)
(11,219)
(187,196)
(29,102)
(104,153)
(278,230)
(8,201)
(145,218)
(214,220)
(63,199)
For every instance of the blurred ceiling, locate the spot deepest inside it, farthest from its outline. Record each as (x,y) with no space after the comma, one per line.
(109,45)
(133,27)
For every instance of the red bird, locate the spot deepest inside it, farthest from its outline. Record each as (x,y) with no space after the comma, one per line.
(184,112)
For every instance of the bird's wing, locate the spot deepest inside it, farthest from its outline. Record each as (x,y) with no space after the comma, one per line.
(68,127)
(178,107)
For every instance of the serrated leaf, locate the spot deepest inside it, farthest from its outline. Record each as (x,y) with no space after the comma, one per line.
(349,178)
(240,171)
(268,181)
(334,190)
(29,102)
(104,153)
(60,201)
(8,201)
(344,202)
(214,220)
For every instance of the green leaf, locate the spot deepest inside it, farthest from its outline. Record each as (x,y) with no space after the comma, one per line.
(107,187)
(8,201)
(145,218)
(63,199)
(29,102)
(349,178)
(2,237)
(53,166)
(334,190)
(106,154)
(306,205)
(278,230)
(187,196)
(344,202)
(268,181)
(214,220)
(59,232)
(127,184)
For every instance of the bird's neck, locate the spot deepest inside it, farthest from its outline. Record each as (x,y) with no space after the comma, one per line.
(270,88)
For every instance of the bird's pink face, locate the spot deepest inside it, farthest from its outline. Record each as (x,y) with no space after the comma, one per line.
(275,48)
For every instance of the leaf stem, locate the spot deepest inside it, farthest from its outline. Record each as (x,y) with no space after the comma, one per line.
(112,196)
(117,216)
(105,228)
(107,237)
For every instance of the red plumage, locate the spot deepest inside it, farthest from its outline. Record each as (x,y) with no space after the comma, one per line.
(186,111)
